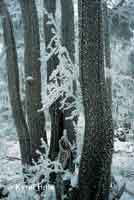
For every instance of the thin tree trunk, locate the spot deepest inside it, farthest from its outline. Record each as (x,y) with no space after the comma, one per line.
(56,114)
(68,40)
(13,85)
(94,173)
(36,120)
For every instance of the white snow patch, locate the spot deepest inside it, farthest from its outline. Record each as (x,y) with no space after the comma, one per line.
(29,78)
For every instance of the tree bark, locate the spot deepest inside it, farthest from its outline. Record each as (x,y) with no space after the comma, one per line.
(68,40)
(67,27)
(94,173)
(36,120)
(13,85)
(107,53)
(56,114)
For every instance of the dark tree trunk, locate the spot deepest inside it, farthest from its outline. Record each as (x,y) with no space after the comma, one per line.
(67,27)
(56,114)
(13,85)
(68,40)
(94,173)
(36,120)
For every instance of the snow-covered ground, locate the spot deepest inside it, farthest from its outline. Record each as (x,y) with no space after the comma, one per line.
(10,167)
(122,167)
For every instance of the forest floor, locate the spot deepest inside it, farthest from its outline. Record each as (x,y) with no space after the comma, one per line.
(122,167)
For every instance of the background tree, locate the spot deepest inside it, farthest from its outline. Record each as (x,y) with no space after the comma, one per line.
(56,115)
(68,40)
(94,173)
(13,85)
(35,119)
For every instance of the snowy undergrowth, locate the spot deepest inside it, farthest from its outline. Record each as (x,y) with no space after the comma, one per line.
(122,168)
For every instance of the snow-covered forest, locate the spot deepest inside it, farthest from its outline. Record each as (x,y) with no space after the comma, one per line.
(67,99)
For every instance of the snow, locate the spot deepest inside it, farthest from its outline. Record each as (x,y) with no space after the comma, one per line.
(108,72)
(9,169)
(123,83)
(29,78)
(123,167)
(74,181)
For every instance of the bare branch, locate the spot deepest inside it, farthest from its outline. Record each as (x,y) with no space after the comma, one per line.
(13,158)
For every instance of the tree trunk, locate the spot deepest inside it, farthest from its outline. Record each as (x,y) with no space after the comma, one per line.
(94,173)
(107,53)
(67,27)
(36,120)
(68,40)
(13,85)
(56,114)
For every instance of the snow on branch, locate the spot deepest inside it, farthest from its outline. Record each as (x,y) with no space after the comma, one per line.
(2,52)
(60,83)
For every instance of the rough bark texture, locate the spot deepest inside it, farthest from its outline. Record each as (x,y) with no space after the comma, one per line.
(68,37)
(56,114)
(94,173)
(107,53)
(36,120)
(13,85)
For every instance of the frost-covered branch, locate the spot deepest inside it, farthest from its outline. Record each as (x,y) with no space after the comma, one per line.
(61,79)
